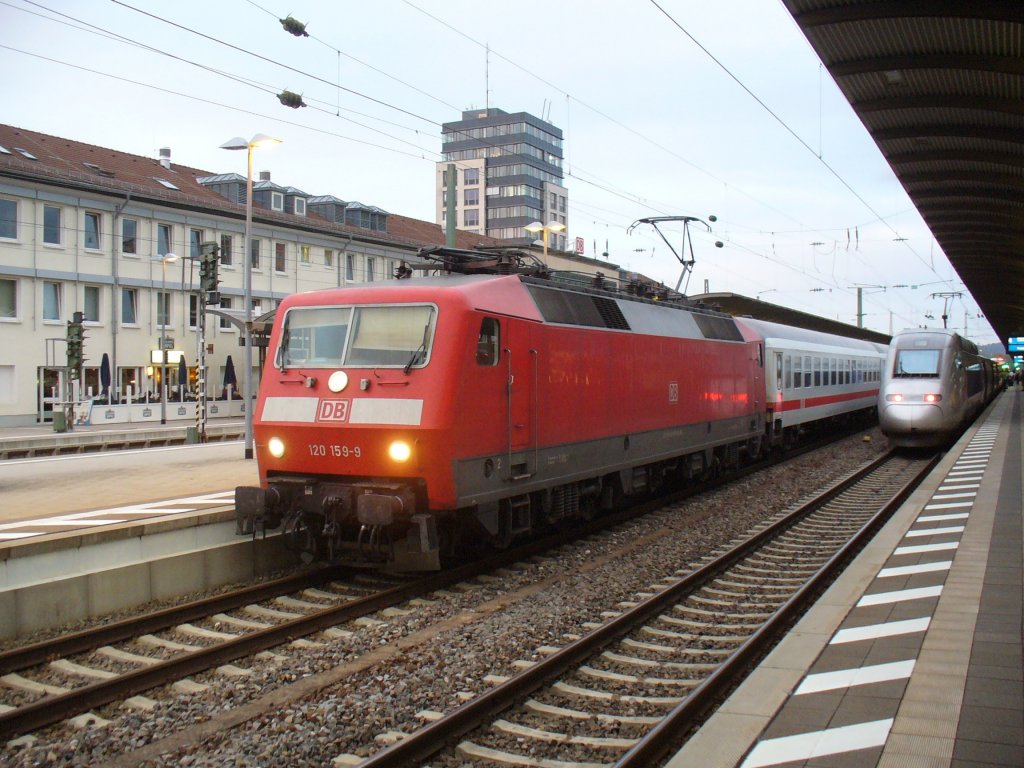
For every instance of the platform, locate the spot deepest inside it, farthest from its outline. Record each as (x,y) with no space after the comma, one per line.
(87,534)
(41,440)
(913,658)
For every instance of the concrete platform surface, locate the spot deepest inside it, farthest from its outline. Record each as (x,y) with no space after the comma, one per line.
(914,658)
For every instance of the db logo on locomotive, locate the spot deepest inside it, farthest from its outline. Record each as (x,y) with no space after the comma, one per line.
(333,410)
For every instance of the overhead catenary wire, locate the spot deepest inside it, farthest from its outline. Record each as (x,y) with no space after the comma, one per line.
(597,185)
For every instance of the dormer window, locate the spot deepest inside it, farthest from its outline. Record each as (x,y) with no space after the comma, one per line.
(97,169)
(25,153)
(276,201)
(300,206)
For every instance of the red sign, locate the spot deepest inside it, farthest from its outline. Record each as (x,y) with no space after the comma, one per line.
(579,246)
(333,410)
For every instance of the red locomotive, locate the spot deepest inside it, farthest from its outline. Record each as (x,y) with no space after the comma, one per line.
(403,420)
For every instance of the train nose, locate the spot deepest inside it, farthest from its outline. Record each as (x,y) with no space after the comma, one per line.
(906,418)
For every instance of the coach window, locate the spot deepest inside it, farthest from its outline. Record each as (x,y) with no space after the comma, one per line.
(817,371)
(487,343)
(798,376)
(789,371)
(807,370)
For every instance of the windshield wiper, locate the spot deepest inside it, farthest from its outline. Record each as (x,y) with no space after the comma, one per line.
(421,348)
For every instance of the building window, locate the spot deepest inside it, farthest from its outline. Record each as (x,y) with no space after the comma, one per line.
(276,201)
(350,267)
(91,304)
(304,254)
(51,225)
(254,253)
(225,250)
(129,235)
(51,301)
(193,311)
(225,324)
(471,217)
(328,257)
(369,269)
(561,205)
(471,197)
(195,243)
(163,239)
(554,201)
(163,309)
(300,206)
(129,306)
(92,231)
(280,263)
(471,176)
(8,299)
(8,219)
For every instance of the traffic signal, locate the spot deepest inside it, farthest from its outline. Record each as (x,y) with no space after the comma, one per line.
(75,343)
(209,263)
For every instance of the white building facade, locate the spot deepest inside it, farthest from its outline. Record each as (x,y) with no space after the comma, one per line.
(86,229)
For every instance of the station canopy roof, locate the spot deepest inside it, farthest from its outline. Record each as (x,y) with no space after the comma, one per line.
(939,84)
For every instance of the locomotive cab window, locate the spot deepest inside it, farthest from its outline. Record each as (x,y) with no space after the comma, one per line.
(314,337)
(912,363)
(329,337)
(487,344)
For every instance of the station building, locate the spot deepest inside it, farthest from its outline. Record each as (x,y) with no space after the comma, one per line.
(88,229)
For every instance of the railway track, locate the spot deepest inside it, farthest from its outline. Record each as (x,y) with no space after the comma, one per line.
(624,693)
(71,675)
(65,677)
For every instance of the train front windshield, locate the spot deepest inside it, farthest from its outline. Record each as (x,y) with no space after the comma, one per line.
(364,336)
(923,363)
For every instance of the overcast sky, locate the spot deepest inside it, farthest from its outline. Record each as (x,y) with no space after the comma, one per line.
(656,107)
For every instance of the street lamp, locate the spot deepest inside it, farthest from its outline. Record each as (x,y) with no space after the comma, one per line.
(551,226)
(767,290)
(167,257)
(259,140)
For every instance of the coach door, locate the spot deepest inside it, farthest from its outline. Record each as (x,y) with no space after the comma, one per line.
(522,365)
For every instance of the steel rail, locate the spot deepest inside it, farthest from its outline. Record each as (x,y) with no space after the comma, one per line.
(429,740)
(657,742)
(53,709)
(95,637)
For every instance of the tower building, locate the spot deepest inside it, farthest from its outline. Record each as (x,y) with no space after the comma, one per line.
(508,174)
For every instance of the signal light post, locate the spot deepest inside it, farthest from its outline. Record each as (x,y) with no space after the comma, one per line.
(165,340)
(209,263)
(75,340)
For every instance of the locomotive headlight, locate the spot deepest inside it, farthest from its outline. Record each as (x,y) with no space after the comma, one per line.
(399,451)
(276,447)
(932,398)
(337,381)
(894,398)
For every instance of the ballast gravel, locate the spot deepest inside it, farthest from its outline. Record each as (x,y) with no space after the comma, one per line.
(489,626)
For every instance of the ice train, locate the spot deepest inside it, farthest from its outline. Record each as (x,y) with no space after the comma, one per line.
(935,384)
